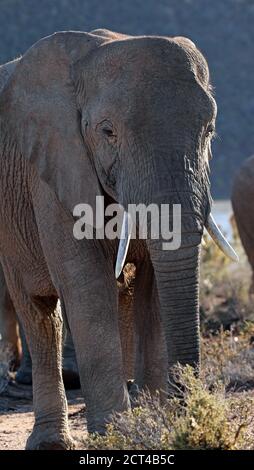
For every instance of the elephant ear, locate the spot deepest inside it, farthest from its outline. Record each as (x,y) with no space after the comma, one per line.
(40,118)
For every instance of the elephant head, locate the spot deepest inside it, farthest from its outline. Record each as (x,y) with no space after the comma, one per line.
(131,117)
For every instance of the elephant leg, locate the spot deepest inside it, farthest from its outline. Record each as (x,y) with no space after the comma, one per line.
(83,275)
(150,345)
(9,337)
(43,330)
(70,368)
(93,319)
(24,373)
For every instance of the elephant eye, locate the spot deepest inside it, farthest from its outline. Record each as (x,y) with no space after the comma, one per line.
(108,131)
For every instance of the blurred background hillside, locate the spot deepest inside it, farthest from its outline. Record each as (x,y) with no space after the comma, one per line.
(222,29)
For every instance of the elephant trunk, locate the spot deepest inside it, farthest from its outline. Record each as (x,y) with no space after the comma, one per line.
(177,279)
(176,270)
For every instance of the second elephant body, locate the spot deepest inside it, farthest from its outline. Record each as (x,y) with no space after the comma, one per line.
(243,206)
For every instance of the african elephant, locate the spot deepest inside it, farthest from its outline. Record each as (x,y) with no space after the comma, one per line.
(242,202)
(131,119)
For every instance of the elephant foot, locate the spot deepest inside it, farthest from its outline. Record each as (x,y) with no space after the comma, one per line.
(24,376)
(50,440)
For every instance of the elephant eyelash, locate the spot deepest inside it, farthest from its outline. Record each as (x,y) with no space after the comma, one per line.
(108,132)
(106,128)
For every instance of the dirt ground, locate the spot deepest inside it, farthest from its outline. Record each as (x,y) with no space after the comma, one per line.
(16,417)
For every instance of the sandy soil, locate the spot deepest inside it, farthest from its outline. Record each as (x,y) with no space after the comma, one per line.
(16,418)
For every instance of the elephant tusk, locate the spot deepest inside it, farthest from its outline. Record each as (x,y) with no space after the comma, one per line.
(123,244)
(219,239)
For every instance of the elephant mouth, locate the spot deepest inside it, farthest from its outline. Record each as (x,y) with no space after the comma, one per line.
(210,225)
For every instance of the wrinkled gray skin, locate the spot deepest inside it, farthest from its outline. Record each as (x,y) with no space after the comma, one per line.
(242,202)
(13,341)
(87,114)
(13,337)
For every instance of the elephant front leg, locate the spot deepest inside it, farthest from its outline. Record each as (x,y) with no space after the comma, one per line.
(82,272)
(43,330)
(70,368)
(50,429)
(150,345)
(91,306)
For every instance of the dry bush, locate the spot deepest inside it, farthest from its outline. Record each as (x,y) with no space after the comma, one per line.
(224,289)
(197,419)
(228,356)
(215,411)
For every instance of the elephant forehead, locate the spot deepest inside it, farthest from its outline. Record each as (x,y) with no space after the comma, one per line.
(143,55)
(145,61)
